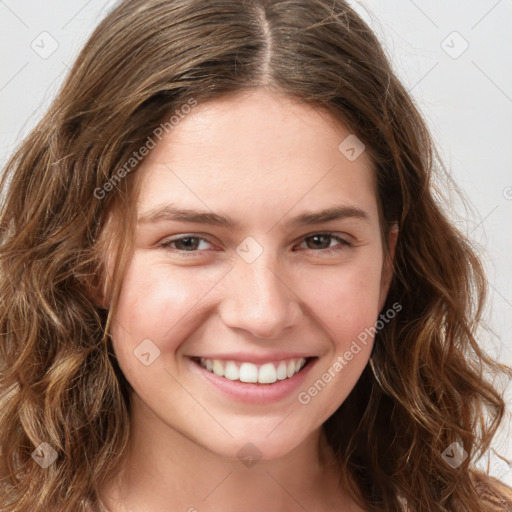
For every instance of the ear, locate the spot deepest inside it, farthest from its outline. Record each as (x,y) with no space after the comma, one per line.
(95,291)
(98,281)
(387,265)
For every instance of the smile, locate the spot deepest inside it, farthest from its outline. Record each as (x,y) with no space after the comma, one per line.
(253,379)
(267,373)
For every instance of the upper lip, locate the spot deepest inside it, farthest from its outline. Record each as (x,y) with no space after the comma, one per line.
(255,358)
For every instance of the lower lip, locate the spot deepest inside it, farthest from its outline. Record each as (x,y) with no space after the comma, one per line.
(255,393)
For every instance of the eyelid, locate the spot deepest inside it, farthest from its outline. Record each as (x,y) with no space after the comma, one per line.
(345,237)
(166,243)
(343,242)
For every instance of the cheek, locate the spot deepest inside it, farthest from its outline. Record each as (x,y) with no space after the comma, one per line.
(157,303)
(345,303)
(344,299)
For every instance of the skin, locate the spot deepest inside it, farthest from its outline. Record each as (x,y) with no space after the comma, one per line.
(262,159)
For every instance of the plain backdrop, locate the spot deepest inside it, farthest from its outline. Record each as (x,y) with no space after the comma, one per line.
(454,58)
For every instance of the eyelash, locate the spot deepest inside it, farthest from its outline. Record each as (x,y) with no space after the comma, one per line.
(342,245)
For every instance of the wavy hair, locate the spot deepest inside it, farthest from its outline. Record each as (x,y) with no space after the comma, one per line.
(428,383)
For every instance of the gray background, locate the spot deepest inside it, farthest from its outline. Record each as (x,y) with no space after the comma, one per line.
(454,57)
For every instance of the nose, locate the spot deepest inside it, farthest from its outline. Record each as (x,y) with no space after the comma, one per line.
(259,300)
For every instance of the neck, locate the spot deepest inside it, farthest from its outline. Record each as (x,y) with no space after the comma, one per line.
(164,471)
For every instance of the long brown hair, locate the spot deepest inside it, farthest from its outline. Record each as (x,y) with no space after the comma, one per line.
(426,387)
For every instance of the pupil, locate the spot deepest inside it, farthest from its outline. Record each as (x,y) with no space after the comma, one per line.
(189,243)
(318,238)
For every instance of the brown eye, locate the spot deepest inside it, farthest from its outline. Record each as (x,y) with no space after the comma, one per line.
(184,244)
(188,244)
(319,241)
(322,242)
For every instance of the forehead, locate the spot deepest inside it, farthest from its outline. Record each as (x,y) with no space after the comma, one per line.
(259,154)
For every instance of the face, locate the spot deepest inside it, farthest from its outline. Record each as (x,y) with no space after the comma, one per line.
(258,263)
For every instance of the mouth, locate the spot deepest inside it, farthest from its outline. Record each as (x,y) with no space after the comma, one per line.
(257,379)
(259,374)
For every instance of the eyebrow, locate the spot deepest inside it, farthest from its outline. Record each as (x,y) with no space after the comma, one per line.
(171,213)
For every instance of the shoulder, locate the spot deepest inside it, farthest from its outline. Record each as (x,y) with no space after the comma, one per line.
(496,495)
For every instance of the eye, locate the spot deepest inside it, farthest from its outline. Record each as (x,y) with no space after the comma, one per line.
(322,242)
(319,242)
(185,244)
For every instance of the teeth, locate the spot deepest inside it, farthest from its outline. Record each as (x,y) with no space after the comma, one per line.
(291,369)
(232,372)
(267,373)
(248,372)
(218,368)
(281,371)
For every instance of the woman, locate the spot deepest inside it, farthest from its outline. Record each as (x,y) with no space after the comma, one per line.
(226,281)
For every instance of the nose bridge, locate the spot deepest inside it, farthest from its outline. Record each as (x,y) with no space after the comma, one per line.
(257,298)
